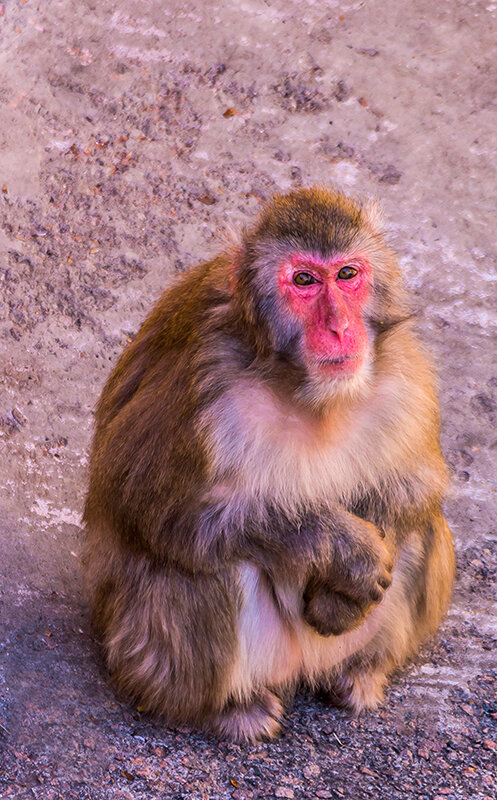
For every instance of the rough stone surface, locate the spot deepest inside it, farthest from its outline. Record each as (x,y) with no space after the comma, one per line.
(133,135)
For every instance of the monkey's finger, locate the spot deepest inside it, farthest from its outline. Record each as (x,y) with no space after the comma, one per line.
(376,594)
(385,581)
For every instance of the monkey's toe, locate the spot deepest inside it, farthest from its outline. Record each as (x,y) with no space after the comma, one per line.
(250,722)
(367,691)
(355,692)
(385,581)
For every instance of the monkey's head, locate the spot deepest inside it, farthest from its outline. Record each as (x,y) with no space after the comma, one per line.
(317,284)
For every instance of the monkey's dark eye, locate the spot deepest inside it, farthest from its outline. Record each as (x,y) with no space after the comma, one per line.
(346,273)
(304,279)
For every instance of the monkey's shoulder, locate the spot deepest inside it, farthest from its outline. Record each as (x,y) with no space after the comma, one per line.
(184,312)
(170,346)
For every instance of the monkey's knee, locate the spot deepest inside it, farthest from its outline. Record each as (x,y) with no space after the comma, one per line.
(154,632)
(434,586)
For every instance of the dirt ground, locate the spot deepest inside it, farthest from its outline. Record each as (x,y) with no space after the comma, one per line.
(133,135)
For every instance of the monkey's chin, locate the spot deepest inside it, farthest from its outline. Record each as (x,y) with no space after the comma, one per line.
(349,379)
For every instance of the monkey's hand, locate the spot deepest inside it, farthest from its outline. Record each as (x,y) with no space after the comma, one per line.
(339,597)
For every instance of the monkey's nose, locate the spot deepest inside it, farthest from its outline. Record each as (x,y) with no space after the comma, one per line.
(338,327)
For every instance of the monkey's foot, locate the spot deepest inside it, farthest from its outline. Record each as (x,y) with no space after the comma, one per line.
(356,692)
(249,722)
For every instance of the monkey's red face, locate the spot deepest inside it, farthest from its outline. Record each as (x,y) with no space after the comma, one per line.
(328,297)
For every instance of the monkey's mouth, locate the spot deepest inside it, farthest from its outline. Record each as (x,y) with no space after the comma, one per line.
(339,367)
(332,362)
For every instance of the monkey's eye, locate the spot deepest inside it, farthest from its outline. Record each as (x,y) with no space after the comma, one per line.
(304,279)
(346,273)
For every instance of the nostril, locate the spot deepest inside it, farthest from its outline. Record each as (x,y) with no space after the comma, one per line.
(338,326)
(338,329)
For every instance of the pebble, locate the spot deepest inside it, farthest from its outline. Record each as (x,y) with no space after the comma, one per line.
(311,771)
(284,791)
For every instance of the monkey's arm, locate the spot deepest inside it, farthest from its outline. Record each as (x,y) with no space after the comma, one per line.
(341,562)
(338,596)
(346,564)
(338,560)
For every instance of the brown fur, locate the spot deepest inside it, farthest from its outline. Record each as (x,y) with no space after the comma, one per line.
(243,518)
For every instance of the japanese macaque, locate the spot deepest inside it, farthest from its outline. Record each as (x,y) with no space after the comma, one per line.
(266,479)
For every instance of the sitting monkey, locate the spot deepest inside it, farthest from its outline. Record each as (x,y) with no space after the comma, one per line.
(266,479)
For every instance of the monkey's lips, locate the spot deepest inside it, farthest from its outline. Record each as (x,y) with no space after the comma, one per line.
(340,365)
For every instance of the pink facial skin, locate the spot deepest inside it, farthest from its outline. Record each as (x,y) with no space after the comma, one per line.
(330,310)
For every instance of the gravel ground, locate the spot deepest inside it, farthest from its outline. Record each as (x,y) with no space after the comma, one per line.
(133,136)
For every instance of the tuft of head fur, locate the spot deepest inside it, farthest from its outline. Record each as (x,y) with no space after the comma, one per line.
(310,219)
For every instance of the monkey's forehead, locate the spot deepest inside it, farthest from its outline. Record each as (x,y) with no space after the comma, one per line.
(315,219)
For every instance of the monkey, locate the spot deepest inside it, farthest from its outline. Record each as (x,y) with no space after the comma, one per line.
(266,482)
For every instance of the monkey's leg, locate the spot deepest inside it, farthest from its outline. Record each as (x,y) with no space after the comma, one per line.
(422,582)
(266,663)
(169,636)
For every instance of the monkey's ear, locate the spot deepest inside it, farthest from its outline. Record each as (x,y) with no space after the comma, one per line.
(372,215)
